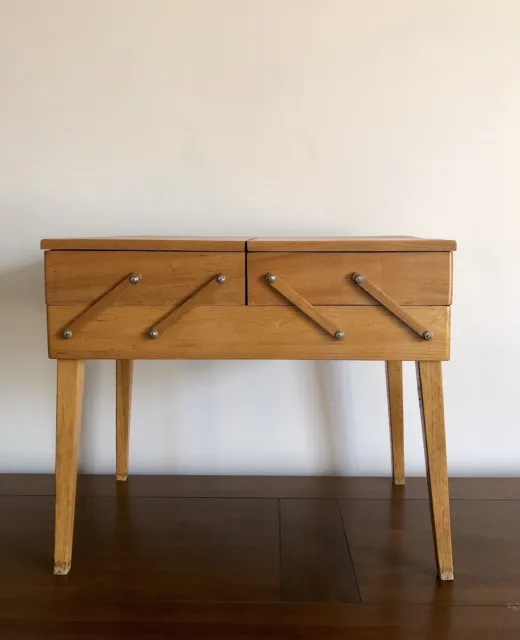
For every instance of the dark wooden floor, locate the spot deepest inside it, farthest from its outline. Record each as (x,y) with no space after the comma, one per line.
(248,558)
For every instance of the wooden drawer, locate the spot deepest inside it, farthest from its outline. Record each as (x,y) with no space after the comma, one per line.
(226,332)
(167,277)
(410,278)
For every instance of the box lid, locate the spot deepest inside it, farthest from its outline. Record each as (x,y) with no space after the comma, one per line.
(351,243)
(201,243)
(146,243)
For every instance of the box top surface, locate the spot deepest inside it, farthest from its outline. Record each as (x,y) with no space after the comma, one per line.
(146,243)
(195,243)
(351,243)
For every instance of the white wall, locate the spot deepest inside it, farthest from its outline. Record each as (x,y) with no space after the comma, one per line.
(263,117)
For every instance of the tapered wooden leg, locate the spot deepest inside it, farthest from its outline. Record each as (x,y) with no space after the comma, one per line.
(124,373)
(429,383)
(394,386)
(69,400)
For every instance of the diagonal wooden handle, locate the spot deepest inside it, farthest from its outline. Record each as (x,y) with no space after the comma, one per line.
(305,307)
(176,314)
(100,304)
(392,306)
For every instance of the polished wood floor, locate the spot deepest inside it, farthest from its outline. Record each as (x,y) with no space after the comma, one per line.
(259,558)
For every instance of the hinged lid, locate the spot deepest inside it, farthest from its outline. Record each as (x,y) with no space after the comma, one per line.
(146,243)
(179,243)
(353,243)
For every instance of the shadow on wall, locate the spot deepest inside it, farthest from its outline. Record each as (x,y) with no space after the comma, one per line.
(23,339)
(27,376)
(335,396)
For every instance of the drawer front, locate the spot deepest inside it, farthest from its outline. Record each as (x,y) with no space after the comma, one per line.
(167,278)
(248,332)
(326,278)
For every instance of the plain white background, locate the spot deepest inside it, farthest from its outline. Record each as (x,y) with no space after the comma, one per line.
(263,117)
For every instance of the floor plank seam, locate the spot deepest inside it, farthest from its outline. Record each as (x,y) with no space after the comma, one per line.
(249,497)
(280,574)
(349,552)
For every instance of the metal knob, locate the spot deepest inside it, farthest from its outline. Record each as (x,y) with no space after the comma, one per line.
(339,335)
(427,335)
(358,278)
(67,334)
(134,278)
(221,278)
(270,277)
(153,334)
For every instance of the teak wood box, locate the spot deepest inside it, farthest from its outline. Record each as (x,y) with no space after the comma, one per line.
(374,298)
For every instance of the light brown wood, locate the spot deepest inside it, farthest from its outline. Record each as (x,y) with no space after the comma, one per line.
(251,332)
(75,277)
(410,278)
(392,306)
(69,399)
(394,386)
(202,295)
(124,376)
(103,302)
(299,301)
(429,383)
(354,243)
(407,285)
(145,243)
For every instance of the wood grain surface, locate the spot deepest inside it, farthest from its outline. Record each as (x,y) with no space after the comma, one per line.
(391,305)
(80,277)
(124,379)
(250,486)
(353,243)
(394,387)
(145,243)
(246,332)
(326,278)
(312,312)
(69,399)
(185,567)
(429,383)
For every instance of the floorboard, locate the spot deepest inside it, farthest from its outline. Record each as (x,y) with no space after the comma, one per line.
(247,558)
(279,622)
(392,551)
(315,558)
(176,549)
(352,488)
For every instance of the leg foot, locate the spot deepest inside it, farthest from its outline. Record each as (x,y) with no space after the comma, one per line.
(446,575)
(124,374)
(61,569)
(429,382)
(69,399)
(394,386)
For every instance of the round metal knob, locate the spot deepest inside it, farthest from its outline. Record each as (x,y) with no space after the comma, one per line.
(153,334)
(67,334)
(221,278)
(358,278)
(427,335)
(270,277)
(134,278)
(339,335)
